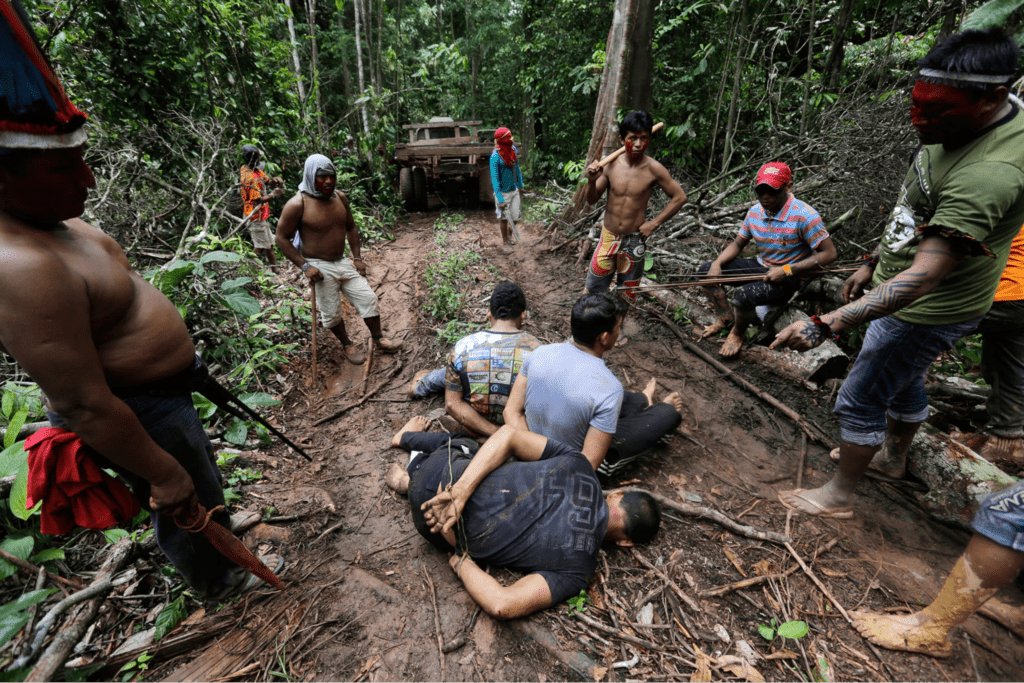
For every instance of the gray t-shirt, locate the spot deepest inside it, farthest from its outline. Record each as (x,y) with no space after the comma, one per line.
(567,392)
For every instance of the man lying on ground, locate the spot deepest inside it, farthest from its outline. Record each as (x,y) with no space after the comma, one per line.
(543,515)
(323,218)
(939,262)
(791,243)
(566,392)
(110,352)
(629,181)
(481,368)
(992,560)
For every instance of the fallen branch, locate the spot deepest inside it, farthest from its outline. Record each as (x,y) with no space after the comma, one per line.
(691,603)
(461,639)
(758,580)
(339,413)
(617,633)
(437,623)
(812,432)
(32,569)
(818,583)
(716,516)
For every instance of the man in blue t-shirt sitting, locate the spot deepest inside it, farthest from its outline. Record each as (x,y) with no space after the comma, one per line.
(543,514)
(791,244)
(566,392)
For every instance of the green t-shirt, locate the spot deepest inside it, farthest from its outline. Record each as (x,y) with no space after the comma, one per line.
(975,193)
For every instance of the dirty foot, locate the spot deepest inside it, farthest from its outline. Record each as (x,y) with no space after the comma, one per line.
(649,390)
(674,400)
(998,449)
(415,424)
(397,478)
(816,502)
(385,345)
(733,344)
(882,463)
(411,391)
(354,354)
(621,341)
(714,328)
(908,632)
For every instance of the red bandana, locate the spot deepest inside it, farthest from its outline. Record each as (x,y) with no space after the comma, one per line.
(504,138)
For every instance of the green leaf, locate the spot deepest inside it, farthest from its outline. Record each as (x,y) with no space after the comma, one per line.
(236,433)
(48,555)
(242,304)
(10,624)
(13,427)
(204,406)
(236,283)
(169,617)
(169,278)
(767,632)
(11,458)
(114,535)
(7,404)
(258,398)
(26,601)
(793,629)
(992,13)
(21,548)
(19,494)
(221,257)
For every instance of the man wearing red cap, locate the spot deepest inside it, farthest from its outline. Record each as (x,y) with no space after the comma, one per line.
(506,181)
(939,262)
(791,243)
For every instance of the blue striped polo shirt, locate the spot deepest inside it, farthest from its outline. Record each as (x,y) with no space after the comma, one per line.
(786,237)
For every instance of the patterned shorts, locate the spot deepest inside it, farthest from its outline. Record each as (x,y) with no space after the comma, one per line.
(619,257)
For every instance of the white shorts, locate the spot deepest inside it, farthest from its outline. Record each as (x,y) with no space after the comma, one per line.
(513,210)
(262,235)
(342,277)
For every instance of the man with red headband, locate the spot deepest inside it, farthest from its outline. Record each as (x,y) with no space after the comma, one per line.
(507,180)
(936,270)
(629,181)
(791,242)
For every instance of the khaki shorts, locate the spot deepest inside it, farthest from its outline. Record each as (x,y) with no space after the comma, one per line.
(342,277)
(262,235)
(513,210)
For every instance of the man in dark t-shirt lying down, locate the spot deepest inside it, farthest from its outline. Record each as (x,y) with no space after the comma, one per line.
(543,514)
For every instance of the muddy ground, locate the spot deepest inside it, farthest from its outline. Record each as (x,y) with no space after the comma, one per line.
(359,605)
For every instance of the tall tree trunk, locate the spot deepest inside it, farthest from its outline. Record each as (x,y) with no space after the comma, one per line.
(295,53)
(949,23)
(810,70)
(838,51)
(640,93)
(315,70)
(605,137)
(734,101)
(367,12)
(346,76)
(718,102)
(359,67)
(380,41)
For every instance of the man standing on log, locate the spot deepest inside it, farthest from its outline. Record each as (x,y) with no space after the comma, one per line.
(791,243)
(109,351)
(324,222)
(629,180)
(939,261)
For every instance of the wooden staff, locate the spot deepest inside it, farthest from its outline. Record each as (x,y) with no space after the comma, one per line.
(621,150)
(312,287)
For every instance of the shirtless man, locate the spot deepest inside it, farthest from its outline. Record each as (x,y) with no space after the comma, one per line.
(629,181)
(93,334)
(323,218)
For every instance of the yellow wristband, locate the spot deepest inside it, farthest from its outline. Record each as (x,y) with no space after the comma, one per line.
(788,270)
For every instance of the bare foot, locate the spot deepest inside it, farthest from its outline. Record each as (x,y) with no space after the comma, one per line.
(714,328)
(649,390)
(733,344)
(821,502)
(415,424)
(890,466)
(674,400)
(908,632)
(397,478)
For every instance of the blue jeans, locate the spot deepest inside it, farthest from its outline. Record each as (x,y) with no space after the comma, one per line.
(888,376)
(173,424)
(432,383)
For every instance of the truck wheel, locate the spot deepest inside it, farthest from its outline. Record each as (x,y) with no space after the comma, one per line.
(405,181)
(419,186)
(472,190)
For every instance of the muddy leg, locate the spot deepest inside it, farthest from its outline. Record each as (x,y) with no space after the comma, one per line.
(352,351)
(722,308)
(734,342)
(837,495)
(503,226)
(892,459)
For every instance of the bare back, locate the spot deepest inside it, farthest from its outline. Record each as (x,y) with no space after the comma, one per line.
(322,224)
(73,285)
(629,191)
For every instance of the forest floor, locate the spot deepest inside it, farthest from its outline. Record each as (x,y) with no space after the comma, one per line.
(360,603)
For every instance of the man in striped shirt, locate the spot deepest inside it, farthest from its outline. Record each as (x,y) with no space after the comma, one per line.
(791,242)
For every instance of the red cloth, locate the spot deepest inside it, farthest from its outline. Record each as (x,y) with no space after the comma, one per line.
(505,150)
(74,490)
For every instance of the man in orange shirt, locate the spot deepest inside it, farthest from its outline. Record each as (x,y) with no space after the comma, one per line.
(256,203)
(1002,362)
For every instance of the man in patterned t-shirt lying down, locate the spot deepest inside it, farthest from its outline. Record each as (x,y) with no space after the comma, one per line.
(543,514)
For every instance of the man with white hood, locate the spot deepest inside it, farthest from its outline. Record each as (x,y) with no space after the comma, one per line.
(323,218)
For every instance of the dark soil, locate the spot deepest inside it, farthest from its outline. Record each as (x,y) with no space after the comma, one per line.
(368,576)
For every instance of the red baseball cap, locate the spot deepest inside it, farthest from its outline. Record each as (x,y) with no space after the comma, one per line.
(774,173)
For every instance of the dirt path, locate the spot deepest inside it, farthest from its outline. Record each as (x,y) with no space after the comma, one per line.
(363,586)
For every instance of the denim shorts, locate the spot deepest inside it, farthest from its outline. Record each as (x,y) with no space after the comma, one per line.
(1001,517)
(888,376)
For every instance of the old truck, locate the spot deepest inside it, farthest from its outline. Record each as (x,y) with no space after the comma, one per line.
(447,157)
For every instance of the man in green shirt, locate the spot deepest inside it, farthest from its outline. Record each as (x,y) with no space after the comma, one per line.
(939,261)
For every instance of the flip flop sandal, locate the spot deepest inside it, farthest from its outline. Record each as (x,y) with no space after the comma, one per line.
(251,581)
(909,482)
(824,512)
